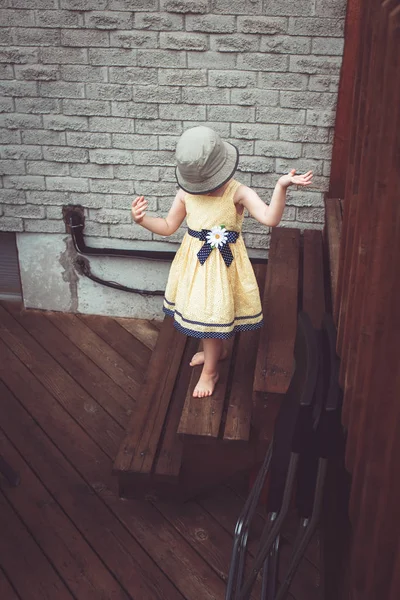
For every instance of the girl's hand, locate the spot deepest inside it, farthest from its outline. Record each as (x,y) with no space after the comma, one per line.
(292,179)
(139,206)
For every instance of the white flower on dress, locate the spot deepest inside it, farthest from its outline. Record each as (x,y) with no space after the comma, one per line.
(217,236)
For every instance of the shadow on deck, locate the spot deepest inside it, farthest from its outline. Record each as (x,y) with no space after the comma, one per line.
(68,385)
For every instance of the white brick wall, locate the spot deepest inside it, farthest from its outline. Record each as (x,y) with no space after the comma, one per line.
(95,93)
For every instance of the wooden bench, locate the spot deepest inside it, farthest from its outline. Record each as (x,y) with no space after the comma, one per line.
(177,445)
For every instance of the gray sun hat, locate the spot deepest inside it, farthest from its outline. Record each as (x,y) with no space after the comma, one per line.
(204,161)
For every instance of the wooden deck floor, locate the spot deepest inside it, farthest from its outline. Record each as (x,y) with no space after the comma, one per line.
(67,386)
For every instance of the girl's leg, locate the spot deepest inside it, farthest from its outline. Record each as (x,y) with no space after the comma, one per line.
(209,376)
(198,358)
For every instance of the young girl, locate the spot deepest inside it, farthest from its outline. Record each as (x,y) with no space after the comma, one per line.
(212,292)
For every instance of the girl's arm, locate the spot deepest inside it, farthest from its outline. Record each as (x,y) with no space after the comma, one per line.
(161,226)
(272,214)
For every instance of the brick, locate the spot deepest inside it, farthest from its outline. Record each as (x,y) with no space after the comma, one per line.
(134,39)
(247,7)
(288,8)
(303,133)
(135,110)
(66,154)
(89,140)
(83,4)
(257,241)
(264,25)
(109,20)
(111,157)
(235,43)
(18,88)
(211,24)
(255,97)
(116,201)
(159,188)
(159,21)
(64,56)
(209,60)
(167,142)
(283,81)
(130,232)
(87,200)
(321,118)
(256,164)
(112,186)
(331,8)
(12,197)
(155,158)
(244,146)
(302,165)
(108,91)
(6,105)
(158,127)
(18,121)
(86,107)
(21,152)
(112,56)
(230,79)
(281,149)
(136,75)
(6,38)
(29,3)
(110,124)
(36,73)
(206,96)
(250,225)
(307,199)
(286,44)
(18,56)
(314,100)
(316,64)
(54,213)
(133,5)
(237,114)
(6,71)
(179,111)
(58,18)
(156,94)
(28,211)
(27,182)
(183,41)
(182,77)
(37,105)
(84,38)
(310,215)
(96,229)
(72,184)
(324,83)
(83,73)
(137,173)
(315,26)
(254,131)
(161,58)
(45,198)
(90,170)
(185,6)
(38,167)
(327,168)
(11,224)
(64,123)
(264,181)
(12,167)
(41,136)
(60,89)
(17,18)
(36,37)
(44,226)
(111,216)
(319,151)
(328,46)
(263,62)
(9,137)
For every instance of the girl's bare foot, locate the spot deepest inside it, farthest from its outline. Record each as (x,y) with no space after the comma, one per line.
(198,358)
(206,384)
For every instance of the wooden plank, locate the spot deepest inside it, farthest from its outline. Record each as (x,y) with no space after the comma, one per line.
(313,277)
(333,224)
(111,397)
(169,459)
(6,591)
(280,304)
(69,553)
(238,418)
(142,329)
(106,358)
(138,450)
(24,563)
(82,407)
(121,340)
(202,416)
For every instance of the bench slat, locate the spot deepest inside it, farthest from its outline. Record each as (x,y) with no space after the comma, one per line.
(333,227)
(280,304)
(238,418)
(313,277)
(138,450)
(202,416)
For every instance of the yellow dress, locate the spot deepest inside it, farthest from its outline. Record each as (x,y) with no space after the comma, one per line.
(212,300)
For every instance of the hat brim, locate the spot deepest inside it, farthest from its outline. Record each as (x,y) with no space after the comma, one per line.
(217,180)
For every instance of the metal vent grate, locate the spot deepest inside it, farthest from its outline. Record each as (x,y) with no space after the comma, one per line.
(10,284)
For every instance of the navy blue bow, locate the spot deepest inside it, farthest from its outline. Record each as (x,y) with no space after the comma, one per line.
(206,248)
